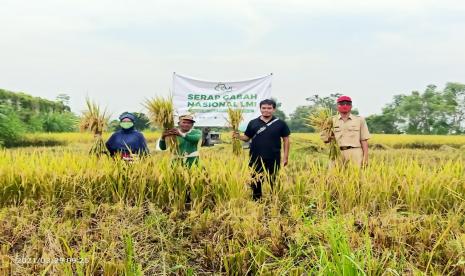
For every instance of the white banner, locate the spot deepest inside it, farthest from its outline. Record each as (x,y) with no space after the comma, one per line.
(209,101)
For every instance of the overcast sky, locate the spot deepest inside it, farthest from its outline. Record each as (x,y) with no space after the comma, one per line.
(121,52)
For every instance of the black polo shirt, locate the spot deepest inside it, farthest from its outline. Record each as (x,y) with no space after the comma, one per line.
(266,144)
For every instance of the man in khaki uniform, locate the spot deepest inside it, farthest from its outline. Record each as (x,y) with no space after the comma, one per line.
(350,132)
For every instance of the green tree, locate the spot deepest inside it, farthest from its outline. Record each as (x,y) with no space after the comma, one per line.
(59,122)
(142,122)
(298,119)
(431,112)
(454,94)
(35,123)
(63,98)
(424,113)
(328,101)
(11,126)
(37,114)
(384,123)
(278,112)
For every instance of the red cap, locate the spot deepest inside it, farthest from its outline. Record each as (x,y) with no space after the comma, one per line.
(344,98)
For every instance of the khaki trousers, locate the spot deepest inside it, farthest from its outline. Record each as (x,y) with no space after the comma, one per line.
(353,156)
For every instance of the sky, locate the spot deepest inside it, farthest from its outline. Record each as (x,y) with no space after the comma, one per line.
(118,53)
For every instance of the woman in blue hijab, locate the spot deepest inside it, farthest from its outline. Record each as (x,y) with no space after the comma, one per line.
(127,140)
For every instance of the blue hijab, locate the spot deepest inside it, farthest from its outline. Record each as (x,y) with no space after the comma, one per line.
(127,140)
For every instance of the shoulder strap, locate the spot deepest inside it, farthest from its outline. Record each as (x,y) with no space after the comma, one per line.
(263,128)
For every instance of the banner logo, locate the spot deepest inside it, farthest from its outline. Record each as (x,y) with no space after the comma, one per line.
(223,87)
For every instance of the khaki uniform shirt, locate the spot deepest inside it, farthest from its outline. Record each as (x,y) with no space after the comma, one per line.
(350,132)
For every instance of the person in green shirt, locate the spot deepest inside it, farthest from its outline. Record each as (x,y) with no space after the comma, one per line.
(188,140)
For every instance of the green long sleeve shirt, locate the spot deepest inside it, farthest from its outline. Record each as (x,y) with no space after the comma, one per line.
(187,145)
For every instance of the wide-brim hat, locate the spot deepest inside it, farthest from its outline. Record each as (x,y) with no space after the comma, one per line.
(187,117)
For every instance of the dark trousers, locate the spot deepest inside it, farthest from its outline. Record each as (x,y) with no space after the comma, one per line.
(261,170)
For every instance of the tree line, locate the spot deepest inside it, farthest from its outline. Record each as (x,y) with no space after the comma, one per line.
(21,113)
(431,111)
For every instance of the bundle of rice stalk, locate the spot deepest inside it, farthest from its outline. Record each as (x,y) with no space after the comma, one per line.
(321,120)
(161,114)
(95,121)
(235,118)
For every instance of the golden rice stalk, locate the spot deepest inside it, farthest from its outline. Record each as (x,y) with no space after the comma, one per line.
(161,114)
(321,120)
(235,118)
(96,121)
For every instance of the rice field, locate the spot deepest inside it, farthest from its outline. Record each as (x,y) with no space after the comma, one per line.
(386,140)
(64,212)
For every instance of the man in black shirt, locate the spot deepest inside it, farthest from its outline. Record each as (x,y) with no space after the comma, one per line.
(266,133)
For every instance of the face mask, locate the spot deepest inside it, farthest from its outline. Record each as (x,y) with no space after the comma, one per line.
(344,108)
(126,125)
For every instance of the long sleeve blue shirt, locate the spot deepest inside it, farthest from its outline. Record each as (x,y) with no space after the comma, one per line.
(125,140)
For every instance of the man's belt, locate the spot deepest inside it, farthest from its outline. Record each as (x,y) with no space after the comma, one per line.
(347,147)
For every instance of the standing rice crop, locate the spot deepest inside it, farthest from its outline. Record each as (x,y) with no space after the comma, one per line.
(235,118)
(96,121)
(57,202)
(322,120)
(161,114)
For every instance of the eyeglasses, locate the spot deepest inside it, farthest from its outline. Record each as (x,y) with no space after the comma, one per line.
(344,103)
